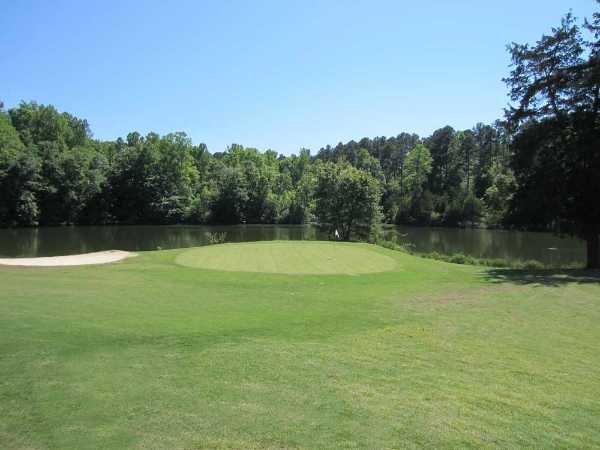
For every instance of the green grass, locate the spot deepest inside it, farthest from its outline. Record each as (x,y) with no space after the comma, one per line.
(148,353)
(291,257)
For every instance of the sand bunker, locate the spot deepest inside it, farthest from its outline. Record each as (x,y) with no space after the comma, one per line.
(69,260)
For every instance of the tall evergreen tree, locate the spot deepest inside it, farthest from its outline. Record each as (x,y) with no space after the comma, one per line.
(554,85)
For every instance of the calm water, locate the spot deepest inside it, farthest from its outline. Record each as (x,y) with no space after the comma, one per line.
(508,245)
(480,243)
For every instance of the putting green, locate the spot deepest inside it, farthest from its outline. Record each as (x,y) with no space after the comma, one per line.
(289,257)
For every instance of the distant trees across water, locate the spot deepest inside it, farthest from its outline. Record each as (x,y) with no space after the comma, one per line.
(53,172)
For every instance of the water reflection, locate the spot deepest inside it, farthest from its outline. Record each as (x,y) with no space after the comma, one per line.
(508,245)
(54,241)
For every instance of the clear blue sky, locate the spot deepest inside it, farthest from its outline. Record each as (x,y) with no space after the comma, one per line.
(268,74)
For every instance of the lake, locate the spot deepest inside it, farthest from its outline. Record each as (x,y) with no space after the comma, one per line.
(509,245)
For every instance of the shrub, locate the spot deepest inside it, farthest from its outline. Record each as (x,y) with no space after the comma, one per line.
(458,258)
(216,238)
(436,255)
(533,265)
(461,258)
(392,245)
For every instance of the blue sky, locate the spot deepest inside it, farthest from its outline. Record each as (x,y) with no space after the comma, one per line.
(269,74)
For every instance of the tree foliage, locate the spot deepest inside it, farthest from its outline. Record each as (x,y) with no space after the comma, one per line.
(347,201)
(54,172)
(555,88)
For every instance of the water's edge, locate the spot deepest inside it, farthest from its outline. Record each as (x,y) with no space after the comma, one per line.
(480,243)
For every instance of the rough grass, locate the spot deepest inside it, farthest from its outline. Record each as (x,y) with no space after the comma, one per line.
(289,257)
(147,353)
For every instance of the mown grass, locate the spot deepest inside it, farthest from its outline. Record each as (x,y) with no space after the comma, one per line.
(148,353)
(289,257)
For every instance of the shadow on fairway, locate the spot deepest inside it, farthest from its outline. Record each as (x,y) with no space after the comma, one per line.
(542,277)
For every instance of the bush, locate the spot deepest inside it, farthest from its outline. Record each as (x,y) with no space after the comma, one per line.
(394,245)
(461,258)
(533,265)
(436,255)
(457,258)
(216,238)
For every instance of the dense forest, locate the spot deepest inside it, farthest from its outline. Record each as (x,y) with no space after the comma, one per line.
(53,172)
(538,168)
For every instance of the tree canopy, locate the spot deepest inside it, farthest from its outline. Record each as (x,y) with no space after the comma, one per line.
(555,87)
(54,172)
(347,200)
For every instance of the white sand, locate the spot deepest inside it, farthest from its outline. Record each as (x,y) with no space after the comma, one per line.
(70,260)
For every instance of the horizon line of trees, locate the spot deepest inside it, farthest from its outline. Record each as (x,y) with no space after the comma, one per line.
(52,172)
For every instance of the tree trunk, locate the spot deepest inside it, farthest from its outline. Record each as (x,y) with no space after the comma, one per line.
(593,251)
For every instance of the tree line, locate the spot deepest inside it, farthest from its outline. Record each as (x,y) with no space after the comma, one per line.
(53,172)
(538,168)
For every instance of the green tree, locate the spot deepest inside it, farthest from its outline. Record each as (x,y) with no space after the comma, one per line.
(491,148)
(439,145)
(347,201)
(53,172)
(499,194)
(231,195)
(71,178)
(19,178)
(175,178)
(555,87)
(43,123)
(370,164)
(130,180)
(417,200)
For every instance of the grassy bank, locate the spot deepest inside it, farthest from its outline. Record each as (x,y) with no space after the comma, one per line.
(159,351)
(461,258)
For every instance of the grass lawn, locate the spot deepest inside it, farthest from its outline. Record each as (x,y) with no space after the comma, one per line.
(291,257)
(245,347)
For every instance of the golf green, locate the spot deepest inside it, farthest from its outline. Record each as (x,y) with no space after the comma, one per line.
(289,257)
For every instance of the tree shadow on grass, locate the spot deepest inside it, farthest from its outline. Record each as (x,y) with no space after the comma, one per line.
(552,278)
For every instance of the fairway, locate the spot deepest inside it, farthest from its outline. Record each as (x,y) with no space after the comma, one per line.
(147,353)
(289,257)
